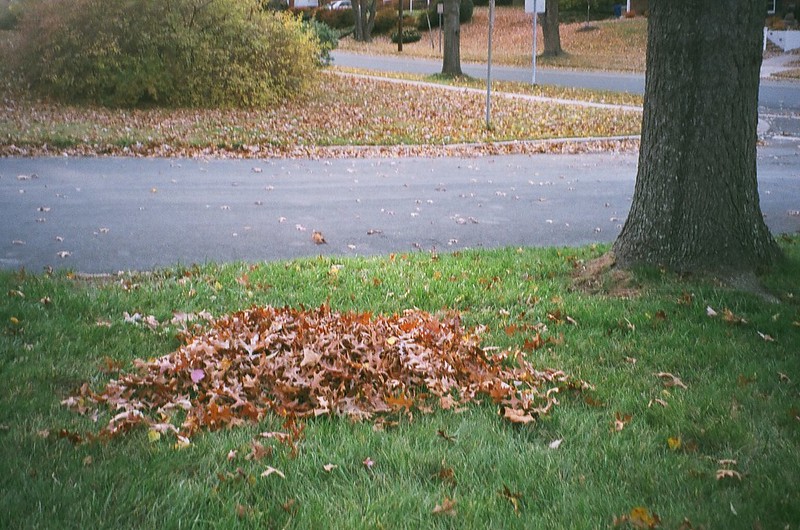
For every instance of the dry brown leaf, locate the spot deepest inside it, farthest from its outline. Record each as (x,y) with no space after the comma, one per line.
(447,507)
(318,238)
(670,380)
(271,470)
(728,473)
(517,416)
(620,421)
(731,318)
(512,497)
(765,337)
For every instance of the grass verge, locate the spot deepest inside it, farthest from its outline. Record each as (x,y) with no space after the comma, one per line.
(344,112)
(713,445)
(610,45)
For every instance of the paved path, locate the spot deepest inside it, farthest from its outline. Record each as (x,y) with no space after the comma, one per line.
(109,214)
(774,95)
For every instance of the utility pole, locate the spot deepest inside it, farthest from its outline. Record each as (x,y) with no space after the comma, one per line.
(399,25)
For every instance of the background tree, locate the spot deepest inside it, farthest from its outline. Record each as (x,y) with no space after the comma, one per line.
(550,32)
(451,64)
(696,204)
(364,11)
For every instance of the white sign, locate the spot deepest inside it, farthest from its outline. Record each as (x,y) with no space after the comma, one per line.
(534,6)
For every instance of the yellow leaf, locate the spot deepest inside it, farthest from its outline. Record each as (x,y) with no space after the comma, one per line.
(674,443)
(642,518)
(153,435)
(391,341)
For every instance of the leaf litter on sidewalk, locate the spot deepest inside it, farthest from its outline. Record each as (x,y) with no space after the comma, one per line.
(302,363)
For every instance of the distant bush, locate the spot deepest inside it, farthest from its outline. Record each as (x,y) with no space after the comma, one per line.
(409,35)
(124,53)
(466,9)
(336,18)
(386,20)
(9,16)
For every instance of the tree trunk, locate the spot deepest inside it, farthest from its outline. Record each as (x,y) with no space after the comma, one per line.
(364,13)
(550,32)
(452,38)
(696,204)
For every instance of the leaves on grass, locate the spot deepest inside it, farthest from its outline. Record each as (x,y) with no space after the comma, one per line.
(301,363)
(430,118)
(674,443)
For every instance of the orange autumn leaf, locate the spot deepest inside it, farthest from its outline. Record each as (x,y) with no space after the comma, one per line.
(447,507)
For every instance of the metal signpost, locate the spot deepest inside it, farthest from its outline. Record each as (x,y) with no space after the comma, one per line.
(535,7)
(440,12)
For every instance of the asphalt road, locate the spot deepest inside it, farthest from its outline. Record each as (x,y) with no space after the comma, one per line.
(774,96)
(99,215)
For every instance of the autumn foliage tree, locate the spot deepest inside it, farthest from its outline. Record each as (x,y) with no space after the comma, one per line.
(696,204)
(178,53)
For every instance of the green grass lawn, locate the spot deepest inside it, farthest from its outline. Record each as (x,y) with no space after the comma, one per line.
(637,440)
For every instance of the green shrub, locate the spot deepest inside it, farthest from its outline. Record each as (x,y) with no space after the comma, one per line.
(123,53)
(327,38)
(409,35)
(336,18)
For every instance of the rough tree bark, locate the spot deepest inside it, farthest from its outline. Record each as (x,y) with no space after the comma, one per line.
(451,64)
(364,13)
(550,31)
(696,204)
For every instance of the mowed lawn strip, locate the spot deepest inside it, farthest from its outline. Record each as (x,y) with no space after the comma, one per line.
(694,418)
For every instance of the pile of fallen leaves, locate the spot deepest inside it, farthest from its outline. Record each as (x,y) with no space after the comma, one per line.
(302,363)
